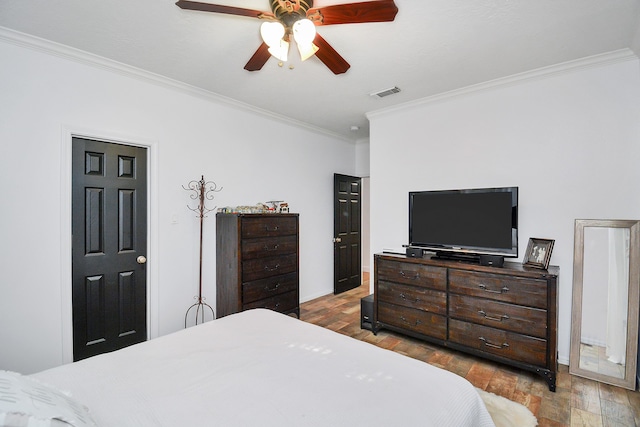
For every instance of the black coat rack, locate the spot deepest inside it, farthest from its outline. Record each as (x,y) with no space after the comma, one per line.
(201,190)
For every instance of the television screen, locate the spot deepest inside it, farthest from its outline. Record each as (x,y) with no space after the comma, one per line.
(479,221)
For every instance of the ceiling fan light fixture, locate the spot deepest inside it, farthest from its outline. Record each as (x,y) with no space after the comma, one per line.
(288,12)
(307,52)
(273,35)
(304,32)
(272,32)
(280,52)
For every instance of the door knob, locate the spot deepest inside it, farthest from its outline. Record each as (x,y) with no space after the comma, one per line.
(141,259)
(337,240)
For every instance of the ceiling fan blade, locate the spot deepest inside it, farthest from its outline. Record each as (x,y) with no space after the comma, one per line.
(208,7)
(329,56)
(354,13)
(259,58)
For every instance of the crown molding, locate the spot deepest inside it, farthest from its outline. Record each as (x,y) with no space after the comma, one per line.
(69,53)
(600,60)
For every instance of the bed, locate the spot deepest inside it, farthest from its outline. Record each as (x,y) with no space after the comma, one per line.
(259,368)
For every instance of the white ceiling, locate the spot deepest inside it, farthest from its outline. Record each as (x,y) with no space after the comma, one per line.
(433,46)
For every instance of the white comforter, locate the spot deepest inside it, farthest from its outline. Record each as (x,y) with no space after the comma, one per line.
(261,368)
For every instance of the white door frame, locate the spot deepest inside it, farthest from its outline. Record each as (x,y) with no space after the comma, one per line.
(68,133)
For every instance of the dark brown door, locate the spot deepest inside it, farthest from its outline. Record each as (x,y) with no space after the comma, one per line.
(346,238)
(109,226)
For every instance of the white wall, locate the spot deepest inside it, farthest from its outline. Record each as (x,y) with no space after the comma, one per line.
(45,98)
(366,227)
(362,158)
(362,170)
(570,141)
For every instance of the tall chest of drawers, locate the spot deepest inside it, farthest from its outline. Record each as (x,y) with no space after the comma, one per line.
(507,314)
(257,261)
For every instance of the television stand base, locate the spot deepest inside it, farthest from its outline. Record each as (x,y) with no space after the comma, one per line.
(492,260)
(452,256)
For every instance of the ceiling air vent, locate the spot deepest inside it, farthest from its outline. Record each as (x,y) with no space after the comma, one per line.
(385,92)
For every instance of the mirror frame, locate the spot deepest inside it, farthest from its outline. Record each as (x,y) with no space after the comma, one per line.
(629,380)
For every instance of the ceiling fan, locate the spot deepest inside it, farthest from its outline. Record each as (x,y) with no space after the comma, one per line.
(298,19)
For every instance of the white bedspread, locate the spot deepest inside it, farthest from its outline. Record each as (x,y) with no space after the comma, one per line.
(261,368)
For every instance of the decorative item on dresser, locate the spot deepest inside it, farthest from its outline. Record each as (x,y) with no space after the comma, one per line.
(507,314)
(538,253)
(257,262)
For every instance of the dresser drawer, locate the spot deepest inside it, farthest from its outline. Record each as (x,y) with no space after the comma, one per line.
(265,288)
(282,303)
(506,344)
(269,246)
(517,290)
(260,268)
(515,318)
(413,297)
(412,274)
(267,226)
(410,319)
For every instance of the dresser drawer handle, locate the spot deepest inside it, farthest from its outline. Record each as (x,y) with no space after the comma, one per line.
(415,277)
(275,288)
(267,268)
(497,319)
(403,296)
(404,319)
(504,289)
(488,344)
(268,249)
(276,228)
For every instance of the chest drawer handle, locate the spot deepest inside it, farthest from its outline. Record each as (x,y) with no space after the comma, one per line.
(488,344)
(497,319)
(403,296)
(404,319)
(504,289)
(267,268)
(276,228)
(268,249)
(415,277)
(275,288)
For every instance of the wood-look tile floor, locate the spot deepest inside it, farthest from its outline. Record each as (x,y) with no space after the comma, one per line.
(576,402)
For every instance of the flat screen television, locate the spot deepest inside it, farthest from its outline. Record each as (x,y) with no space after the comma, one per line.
(465,223)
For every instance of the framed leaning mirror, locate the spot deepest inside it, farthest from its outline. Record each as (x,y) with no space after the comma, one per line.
(606,296)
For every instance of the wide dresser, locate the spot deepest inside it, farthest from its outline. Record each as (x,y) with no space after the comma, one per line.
(257,262)
(505,314)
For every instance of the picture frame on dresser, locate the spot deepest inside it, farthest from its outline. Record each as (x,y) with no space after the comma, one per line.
(538,253)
